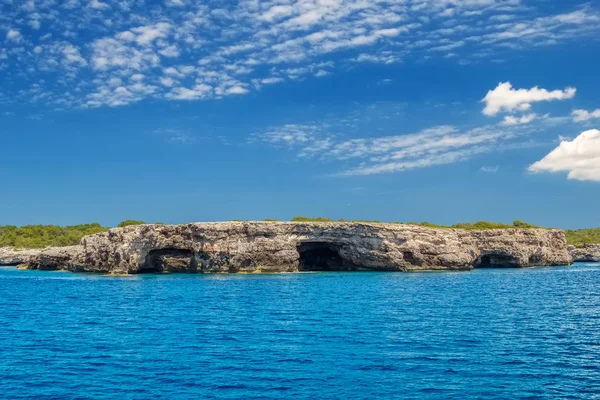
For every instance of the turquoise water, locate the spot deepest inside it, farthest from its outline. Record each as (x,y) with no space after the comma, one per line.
(532,333)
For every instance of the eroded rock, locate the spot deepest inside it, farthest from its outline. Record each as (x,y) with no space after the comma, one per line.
(288,247)
(255,247)
(587,253)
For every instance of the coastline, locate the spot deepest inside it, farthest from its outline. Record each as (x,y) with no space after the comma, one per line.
(275,247)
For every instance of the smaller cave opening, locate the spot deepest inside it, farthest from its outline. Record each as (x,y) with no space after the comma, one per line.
(410,258)
(535,260)
(321,256)
(11,263)
(497,260)
(168,260)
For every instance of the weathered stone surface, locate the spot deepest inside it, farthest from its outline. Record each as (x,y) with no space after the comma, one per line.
(12,256)
(254,247)
(288,247)
(588,253)
(51,258)
(57,258)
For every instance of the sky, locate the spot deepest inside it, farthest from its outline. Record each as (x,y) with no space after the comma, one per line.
(397,110)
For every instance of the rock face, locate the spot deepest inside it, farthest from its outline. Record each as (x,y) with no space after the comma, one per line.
(588,253)
(252,247)
(51,258)
(11,256)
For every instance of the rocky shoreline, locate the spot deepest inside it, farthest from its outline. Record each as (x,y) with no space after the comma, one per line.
(587,253)
(266,247)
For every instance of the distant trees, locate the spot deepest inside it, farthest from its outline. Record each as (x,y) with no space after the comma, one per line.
(582,237)
(38,236)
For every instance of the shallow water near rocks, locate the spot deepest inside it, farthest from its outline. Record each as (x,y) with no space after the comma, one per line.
(493,333)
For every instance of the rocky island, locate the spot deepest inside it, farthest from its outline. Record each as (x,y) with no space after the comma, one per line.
(265,247)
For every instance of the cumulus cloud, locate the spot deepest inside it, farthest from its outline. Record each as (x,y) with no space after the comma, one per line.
(584,115)
(579,157)
(505,98)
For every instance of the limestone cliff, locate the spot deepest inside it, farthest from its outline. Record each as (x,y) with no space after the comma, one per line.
(11,256)
(229,247)
(588,253)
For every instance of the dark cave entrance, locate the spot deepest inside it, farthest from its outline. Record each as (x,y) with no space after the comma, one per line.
(497,260)
(321,256)
(168,260)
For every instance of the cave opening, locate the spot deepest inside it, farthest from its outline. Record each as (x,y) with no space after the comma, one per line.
(321,256)
(497,260)
(168,260)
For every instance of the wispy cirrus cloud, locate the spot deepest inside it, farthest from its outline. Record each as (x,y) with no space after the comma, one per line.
(490,170)
(395,153)
(191,50)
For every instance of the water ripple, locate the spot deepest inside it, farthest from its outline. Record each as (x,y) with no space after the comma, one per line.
(487,334)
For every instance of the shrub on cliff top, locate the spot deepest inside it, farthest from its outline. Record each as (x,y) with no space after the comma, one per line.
(130,222)
(308,219)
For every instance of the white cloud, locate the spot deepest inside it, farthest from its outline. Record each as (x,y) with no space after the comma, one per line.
(197,92)
(112,53)
(584,115)
(490,170)
(505,98)
(387,154)
(167,81)
(431,160)
(277,12)
(236,90)
(235,46)
(512,120)
(290,135)
(175,3)
(579,157)
(13,35)
(147,34)
(97,4)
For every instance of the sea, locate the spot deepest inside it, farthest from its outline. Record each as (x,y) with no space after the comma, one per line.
(487,334)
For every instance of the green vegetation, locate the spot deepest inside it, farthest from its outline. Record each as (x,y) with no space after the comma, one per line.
(308,219)
(480,225)
(130,222)
(582,237)
(38,236)
(574,237)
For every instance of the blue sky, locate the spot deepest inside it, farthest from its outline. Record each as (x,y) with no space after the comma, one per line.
(406,110)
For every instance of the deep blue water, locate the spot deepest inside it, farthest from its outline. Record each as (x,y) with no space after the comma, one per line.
(532,333)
